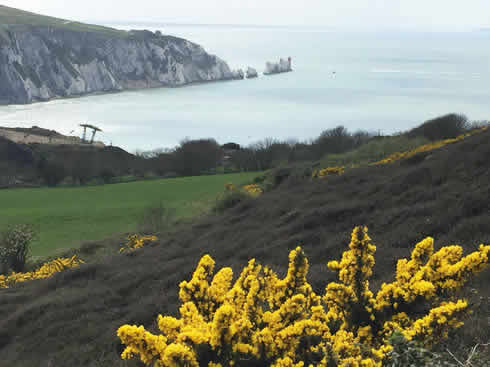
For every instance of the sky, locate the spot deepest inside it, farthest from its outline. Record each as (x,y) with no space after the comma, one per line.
(349,14)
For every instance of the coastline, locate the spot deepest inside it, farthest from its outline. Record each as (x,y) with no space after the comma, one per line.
(99,93)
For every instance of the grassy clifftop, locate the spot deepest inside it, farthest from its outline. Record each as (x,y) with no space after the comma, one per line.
(11,16)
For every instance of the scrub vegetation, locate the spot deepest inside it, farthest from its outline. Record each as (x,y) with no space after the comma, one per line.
(400,297)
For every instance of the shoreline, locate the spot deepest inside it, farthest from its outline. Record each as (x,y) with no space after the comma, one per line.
(98,93)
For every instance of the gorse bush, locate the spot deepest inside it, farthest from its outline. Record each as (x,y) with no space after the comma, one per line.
(14,246)
(264,320)
(230,199)
(428,147)
(329,171)
(45,271)
(409,353)
(135,241)
(234,196)
(253,189)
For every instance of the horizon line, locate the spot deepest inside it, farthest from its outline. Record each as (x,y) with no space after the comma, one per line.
(279,26)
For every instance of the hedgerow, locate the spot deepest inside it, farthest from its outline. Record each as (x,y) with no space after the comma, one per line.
(264,320)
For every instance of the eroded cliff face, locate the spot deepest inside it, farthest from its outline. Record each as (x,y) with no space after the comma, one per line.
(39,63)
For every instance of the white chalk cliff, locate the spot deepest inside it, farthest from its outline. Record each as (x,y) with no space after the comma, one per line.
(38,62)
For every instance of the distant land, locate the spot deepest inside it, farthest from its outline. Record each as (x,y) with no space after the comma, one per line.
(43,58)
(187,24)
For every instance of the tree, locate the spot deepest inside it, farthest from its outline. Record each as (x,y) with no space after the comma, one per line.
(107,175)
(82,169)
(193,157)
(52,173)
(333,141)
(443,127)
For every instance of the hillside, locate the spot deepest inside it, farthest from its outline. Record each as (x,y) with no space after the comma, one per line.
(22,164)
(42,58)
(12,16)
(37,135)
(71,319)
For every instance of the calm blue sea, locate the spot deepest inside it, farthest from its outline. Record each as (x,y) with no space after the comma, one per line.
(384,82)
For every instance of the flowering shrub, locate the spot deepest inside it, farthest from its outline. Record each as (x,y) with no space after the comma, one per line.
(325,172)
(427,147)
(261,319)
(254,190)
(45,271)
(329,171)
(135,241)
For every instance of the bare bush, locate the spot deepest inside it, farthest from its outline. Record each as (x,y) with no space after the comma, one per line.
(156,219)
(14,247)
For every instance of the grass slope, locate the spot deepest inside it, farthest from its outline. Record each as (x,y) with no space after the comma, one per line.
(71,319)
(12,16)
(373,151)
(65,216)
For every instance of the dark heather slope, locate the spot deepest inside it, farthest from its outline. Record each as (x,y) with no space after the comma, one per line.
(43,58)
(71,319)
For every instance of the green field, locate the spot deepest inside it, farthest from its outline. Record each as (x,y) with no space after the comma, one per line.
(68,216)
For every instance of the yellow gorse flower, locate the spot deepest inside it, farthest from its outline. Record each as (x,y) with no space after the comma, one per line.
(135,241)
(282,322)
(395,157)
(427,147)
(254,190)
(329,171)
(45,271)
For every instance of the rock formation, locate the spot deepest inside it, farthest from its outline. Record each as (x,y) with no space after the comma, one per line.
(237,74)
(39,62)
(252,73)
(283,66)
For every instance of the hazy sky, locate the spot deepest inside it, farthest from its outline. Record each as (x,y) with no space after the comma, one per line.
(412,14)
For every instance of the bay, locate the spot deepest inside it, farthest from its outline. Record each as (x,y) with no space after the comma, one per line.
(379,81)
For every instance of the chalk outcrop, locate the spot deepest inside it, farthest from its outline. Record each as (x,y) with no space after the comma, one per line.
(283,66)
(238,74)
(39,63)
(252,73)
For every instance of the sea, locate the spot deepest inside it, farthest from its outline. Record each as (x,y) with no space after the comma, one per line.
(385,82)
